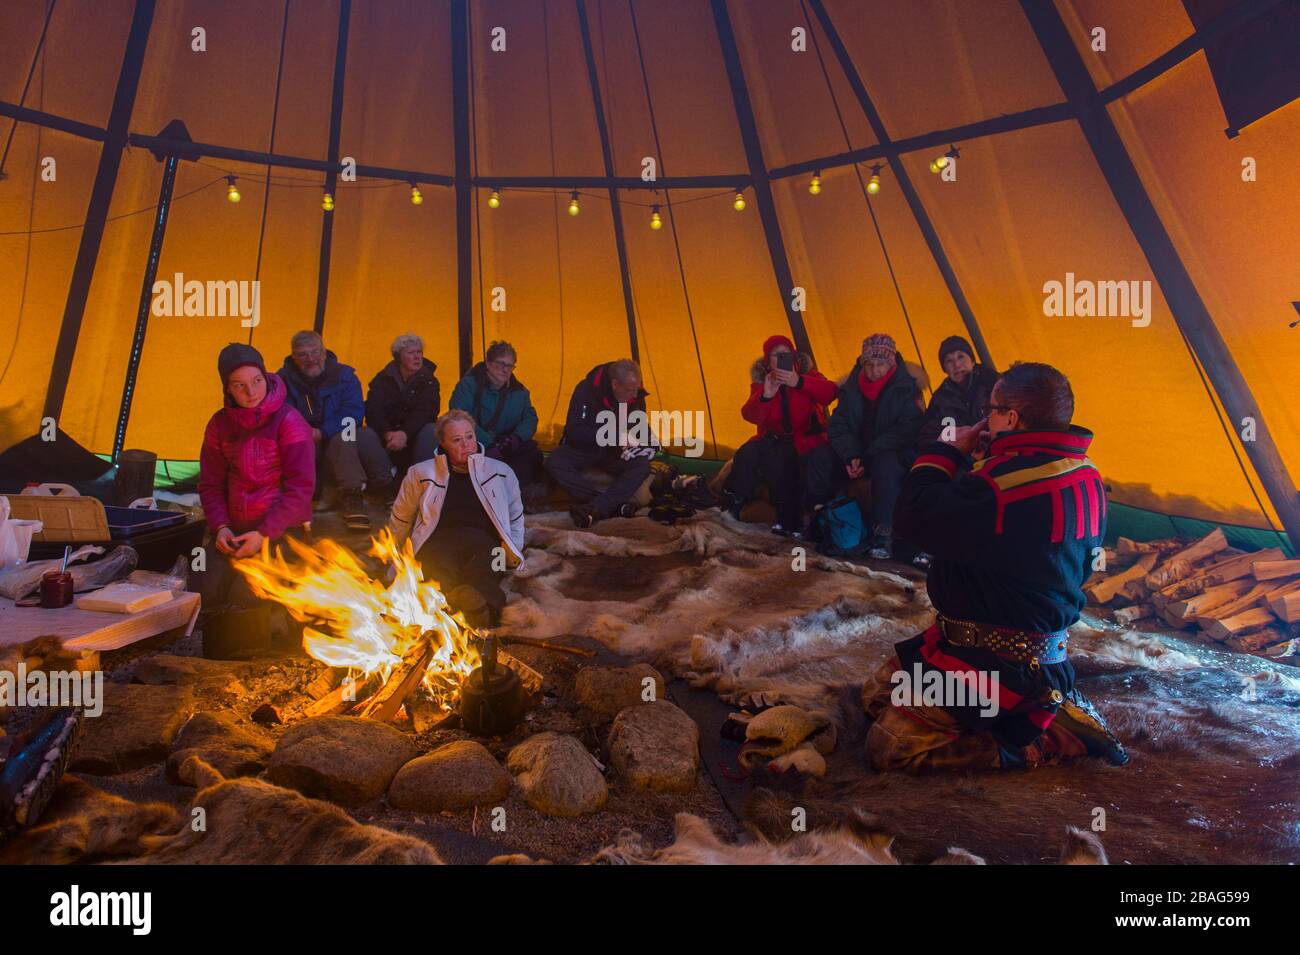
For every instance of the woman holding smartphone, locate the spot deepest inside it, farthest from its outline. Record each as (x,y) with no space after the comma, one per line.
(787,402)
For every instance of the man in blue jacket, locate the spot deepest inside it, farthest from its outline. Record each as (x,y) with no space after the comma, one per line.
(328,394)
(503,412)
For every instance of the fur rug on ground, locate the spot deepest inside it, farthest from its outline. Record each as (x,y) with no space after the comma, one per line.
(1214,736)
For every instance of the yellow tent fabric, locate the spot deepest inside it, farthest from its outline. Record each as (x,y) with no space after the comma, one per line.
(1026,208)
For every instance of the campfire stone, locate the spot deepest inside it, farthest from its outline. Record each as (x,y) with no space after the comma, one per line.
(343,759)
(135,729)
(164,668)
(606,691)
(655,746)
(452,778)
(219,740)
(557,775)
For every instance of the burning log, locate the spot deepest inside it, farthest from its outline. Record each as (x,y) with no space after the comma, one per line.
(404,679)
(344,696)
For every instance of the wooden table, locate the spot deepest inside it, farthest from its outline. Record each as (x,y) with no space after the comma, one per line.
(93,630)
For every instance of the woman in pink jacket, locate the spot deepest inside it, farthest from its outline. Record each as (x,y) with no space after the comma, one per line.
(257,469)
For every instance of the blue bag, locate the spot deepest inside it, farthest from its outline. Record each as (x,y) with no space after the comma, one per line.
(841,527)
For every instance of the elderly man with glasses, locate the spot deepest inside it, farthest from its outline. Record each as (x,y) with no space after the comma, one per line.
(504,415)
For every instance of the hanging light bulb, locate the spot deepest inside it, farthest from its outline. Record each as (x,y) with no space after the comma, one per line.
(935,165)
(656,220)
(417,197)
(573,203)
(327,202)
(873,184)
(739,202)
(815,183)
(232,190)
(494,200)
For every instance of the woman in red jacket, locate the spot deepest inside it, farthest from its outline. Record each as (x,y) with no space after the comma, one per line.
(257,469)
(787,401)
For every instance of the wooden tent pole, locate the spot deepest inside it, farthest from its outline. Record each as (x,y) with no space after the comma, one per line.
(332,168)
(607,154)
(1185,302)
(460,80)
(891,155)
(758,173)
(101,194)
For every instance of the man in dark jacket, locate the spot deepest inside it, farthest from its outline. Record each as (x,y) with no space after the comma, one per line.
(959,401)
(328,394)
(873,431)
(989,684)
(599,432)
(403,403)
(503,413)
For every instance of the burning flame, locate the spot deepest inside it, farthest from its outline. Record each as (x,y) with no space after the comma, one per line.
(364,624)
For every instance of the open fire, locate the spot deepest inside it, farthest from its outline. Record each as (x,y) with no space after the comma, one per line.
(363,624)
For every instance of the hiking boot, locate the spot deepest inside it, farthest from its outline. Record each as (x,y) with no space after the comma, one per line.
(582,516)
(881,548)
(922,560)
(627,509)
(352,508)
(731,503)
(31,773)
(1078,718)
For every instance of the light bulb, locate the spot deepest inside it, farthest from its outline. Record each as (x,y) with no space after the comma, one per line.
(815,184)
(494,200)
(934,165)
(873,185)
(739,203)
(417,197)
(940,162)
(232,190)
(656,220)
(573,203)
(327,202)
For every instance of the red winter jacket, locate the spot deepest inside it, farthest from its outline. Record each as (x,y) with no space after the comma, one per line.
(807,406)
(257,469)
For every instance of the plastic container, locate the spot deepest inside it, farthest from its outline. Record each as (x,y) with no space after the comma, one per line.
(15,537)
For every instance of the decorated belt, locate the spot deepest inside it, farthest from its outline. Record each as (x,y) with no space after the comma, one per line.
(1023,646)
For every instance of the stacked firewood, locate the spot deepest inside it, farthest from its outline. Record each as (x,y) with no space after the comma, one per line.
(1247,601)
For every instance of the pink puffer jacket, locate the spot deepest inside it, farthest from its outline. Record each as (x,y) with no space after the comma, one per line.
(257,469)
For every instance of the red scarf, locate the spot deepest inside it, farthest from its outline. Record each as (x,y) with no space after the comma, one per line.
(872,389)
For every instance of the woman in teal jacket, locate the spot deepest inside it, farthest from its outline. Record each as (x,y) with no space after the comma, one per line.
(503,411)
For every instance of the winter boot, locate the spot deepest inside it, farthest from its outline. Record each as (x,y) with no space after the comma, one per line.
(1078,718)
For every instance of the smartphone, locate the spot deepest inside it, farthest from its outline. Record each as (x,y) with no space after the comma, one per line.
(785,361)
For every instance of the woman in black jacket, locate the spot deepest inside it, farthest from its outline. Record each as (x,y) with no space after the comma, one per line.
(403,403)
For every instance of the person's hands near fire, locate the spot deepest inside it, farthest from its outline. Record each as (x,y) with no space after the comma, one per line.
(854,468)
(225,541)
(395,440)
(247,544)
(968,437)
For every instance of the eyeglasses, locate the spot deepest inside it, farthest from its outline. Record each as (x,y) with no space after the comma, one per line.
(504,365)
(986,409)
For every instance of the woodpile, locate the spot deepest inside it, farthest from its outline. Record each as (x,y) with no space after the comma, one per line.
(1247,601)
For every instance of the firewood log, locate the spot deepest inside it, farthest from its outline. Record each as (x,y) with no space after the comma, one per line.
(1126,547)
(1180,565)
(1108,587)
(1127,616)
(1256,596)
(1240,624)
(1204,602)
(1276,569)
(344,696)
(1285,604)
(406,676)
(1178,623)
(1256,640)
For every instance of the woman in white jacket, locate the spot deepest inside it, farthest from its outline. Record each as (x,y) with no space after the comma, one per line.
(464,516)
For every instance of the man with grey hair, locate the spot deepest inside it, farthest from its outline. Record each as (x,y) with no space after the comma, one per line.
(403,404)
(328,394)
(604,406)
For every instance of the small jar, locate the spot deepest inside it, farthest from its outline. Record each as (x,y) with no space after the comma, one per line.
(56,589)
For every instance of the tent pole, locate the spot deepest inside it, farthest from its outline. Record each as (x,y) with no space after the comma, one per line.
(146,301)
(101,193)
(332,171)
(891,155)
(460,80)
(607,154)
(1185,302)
(758,173)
